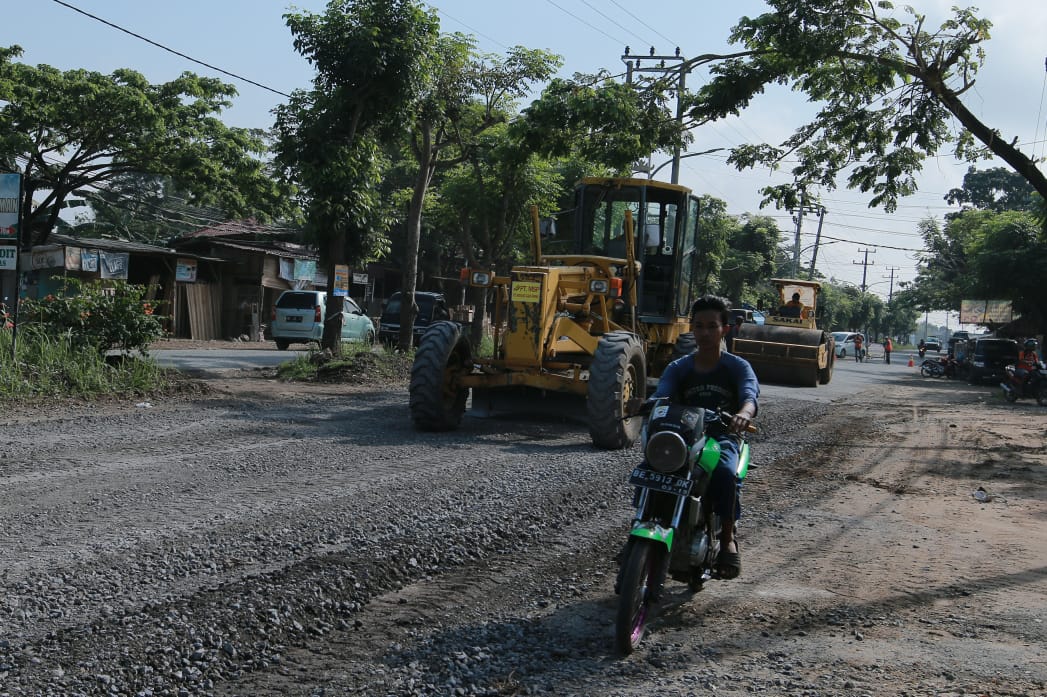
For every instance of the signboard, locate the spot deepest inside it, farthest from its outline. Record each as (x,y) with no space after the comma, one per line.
(8,257)
(185,270)
(113,264)
(986,312)
(341,280)
(304,269)
(361,279)
(526,291)
(10,188)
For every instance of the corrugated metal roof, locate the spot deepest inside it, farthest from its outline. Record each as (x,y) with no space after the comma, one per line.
(122,246)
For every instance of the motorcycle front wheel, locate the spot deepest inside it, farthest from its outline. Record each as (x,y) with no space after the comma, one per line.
(635,605)
(1041,396)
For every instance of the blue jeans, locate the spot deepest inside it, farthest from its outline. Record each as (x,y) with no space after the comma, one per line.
(725,489)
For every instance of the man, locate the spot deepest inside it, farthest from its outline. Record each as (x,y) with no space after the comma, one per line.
(858,355)
(1028,360)
(793,308)
(735,329)
(887,348)
(714,379)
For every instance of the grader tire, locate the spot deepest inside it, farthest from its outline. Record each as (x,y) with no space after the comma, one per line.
(437,400)
(684,346)
(617,374)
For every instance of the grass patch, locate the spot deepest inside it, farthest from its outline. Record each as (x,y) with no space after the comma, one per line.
(54,366)
(357,364)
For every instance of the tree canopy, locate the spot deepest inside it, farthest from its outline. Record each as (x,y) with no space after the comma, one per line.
(889,93)
(74,130)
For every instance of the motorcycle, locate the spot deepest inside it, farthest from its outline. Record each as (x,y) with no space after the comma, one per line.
(932,368)
(1034,384)
(675,532)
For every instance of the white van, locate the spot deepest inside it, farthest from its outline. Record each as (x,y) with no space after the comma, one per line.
(298,318)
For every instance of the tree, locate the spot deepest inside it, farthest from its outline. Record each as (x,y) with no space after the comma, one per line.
(371,61)
(750,257)
(890,92)
(78,130)
(995,189)
(464,96)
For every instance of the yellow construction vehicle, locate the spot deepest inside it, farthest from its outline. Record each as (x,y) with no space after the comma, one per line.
(596,319)
(788,347)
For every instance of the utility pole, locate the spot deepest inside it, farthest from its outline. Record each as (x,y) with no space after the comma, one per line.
(865,264)
(890,295)
(817,240)
(677,65)
(798,219)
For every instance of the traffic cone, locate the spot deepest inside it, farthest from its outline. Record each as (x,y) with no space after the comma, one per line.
(911,363)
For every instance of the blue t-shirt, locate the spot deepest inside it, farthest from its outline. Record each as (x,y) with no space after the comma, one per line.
(729,385)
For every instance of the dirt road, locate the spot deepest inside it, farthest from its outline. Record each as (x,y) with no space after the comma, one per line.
(261,538)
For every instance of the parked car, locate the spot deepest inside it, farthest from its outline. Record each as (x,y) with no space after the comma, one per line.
(988,358)
(298,318)
(432,307)
(845,343)
(933,343)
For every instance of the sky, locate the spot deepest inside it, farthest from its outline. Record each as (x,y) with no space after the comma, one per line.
(250,39)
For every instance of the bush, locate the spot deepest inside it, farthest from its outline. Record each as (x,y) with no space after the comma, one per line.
(100,316)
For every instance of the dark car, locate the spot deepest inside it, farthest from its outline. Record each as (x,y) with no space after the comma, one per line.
(988,358)
(432,307)
(932,343)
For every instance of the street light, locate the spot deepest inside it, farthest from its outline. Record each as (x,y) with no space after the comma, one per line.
(651,172)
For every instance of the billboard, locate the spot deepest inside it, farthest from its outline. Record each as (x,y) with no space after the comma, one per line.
(986,312)
(10,188)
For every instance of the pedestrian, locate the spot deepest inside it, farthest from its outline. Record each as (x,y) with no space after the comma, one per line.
(887,348)
(859,353)
(736,328)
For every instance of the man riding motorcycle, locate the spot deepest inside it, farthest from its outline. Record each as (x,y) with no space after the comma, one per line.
(712,379)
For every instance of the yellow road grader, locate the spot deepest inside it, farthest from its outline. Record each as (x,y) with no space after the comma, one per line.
(788,347)
(596,319)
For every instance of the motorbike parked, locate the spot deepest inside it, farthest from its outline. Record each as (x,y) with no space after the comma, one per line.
(932,368)
(675,532)
(1034,384)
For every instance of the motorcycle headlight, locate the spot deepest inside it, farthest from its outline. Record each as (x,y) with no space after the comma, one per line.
(666,451)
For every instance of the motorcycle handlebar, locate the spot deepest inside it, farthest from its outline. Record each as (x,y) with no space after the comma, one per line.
(640,407)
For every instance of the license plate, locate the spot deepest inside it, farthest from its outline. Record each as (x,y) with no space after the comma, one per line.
(295,318)
(649,479)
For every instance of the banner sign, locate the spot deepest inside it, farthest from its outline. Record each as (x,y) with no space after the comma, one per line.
(113,264)
(89,260)
(361,279)
(47,257)
(304,269)
(10,187)
(72,258)
(986,312)
(8,257)
(341,280)
(185,270)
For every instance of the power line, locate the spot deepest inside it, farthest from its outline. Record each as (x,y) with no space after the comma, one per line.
(611,20)
(626,11)
(171,50)
(478,33)
(587,23)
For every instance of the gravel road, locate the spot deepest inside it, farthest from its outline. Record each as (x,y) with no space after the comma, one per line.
(259,538)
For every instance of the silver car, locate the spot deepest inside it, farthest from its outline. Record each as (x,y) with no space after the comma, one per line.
(298,318)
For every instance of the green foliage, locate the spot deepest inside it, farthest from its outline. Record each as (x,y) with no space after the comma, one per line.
(889,93)
(595,118)
(77,129)
(96,316)
(750,259)
(995,189)
(48,365)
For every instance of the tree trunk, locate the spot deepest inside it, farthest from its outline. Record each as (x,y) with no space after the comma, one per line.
(408,308)
(332,336)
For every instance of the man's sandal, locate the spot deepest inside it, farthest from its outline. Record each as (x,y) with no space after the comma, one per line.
(729,564)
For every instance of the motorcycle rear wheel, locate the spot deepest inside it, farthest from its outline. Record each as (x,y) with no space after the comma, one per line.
(635,605)
(1041,396)
(1010,395)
